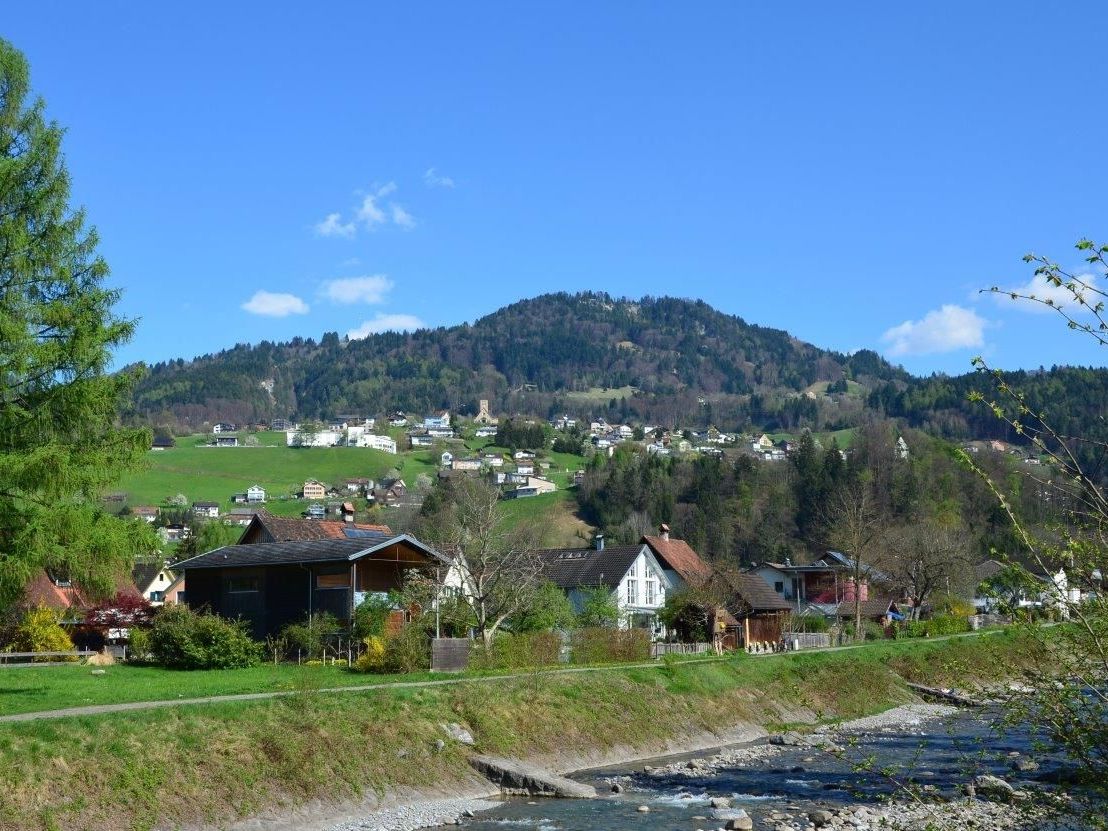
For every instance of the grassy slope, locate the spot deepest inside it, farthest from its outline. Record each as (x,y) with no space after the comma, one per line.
(216,762)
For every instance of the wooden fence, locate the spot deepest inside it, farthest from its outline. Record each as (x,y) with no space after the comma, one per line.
(657,650)
(806,640)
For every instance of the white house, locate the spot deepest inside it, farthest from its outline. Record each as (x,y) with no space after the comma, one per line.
(306,438)
(540,484)
(485,432)
(373,441)
(631,573)
(446,458)
(255,493)
(209,510)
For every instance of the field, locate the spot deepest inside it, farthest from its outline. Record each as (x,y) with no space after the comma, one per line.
(213,474)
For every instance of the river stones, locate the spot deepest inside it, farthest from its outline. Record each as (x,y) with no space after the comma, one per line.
(643,809)
(719,802)
(739,824)
(820,817)
(1023,764)
(993,787)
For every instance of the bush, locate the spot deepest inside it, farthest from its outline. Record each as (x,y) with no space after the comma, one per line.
(138,646)
(370,616)
(938,625)
(409,650)
(183,639)
(599,645)
(39,630)
(309,639)
(807,623)
(520,651)
(373,658)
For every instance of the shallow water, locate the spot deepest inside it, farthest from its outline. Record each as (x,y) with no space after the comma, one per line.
(940,753)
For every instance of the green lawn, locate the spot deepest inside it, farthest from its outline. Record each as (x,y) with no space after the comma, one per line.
(214,473)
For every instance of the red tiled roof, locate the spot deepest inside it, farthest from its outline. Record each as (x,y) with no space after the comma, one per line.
(42,591)
(679,556)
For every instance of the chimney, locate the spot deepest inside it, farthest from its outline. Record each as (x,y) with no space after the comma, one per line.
(598,542)
(665,531)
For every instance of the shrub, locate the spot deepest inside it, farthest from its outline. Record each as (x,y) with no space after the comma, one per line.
(309,639)
(138,646)
(520,651)
(373,658)
(370,616)
(409,650)
(183,639)
(39,630)
(938,625)
(598,645)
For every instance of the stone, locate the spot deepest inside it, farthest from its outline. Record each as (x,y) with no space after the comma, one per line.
(739,824)
(789,739)
(643,809)
(458,733)
(99,672)
(440,745)
(617,788)
(402,753)
(514,776)
(993,787)
(719,802)
(1023,764)
(820,817)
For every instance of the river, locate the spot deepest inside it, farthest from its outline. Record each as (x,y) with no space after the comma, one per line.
(775,784)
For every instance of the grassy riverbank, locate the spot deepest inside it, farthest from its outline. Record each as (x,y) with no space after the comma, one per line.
(214,763)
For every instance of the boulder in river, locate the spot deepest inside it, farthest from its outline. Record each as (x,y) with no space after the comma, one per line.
(993,787)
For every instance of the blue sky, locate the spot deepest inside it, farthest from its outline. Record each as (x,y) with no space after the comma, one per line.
(849,172)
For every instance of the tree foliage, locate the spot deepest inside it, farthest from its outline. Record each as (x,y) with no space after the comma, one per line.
(60,445)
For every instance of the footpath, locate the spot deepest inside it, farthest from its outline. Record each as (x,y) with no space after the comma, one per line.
(131,706)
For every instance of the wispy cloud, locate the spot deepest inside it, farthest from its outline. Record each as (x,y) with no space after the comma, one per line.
(333,226)
(368,289)
(386,323)
(275,304)
(945,329)
(375,210)
(1041,289)
(433,179)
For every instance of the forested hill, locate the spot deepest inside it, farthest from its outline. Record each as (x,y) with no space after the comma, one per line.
(558,352)
(658,360)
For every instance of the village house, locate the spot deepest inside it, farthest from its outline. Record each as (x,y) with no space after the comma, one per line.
(255,493)
(173,532)
(162,443)
(272,584)
(525,468)
(313,489)
(145,512)
(825,582)
(359,485)
(175,591)
(391,492)
(485,432)
(468,463)
(385,444)
(312,438)
(226,441)
(631,574)
(398,419)
(317,510)
(223,427)
(208,510)
(492,459)
(440,432)
(436,422)
(446,459)
(241,516)
(151,579)
(420,438)
(281,425)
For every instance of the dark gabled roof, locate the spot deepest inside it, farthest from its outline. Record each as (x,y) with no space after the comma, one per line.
(988,569)
(143,574)
(874,607)
(757,594)
(572,568)
(205,504)
(308,551)
(287,529)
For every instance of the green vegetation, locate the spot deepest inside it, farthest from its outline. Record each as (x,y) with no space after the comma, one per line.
(180,638)
(59,438)
(219,764)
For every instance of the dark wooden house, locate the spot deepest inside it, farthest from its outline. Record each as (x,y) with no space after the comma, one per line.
(271,584)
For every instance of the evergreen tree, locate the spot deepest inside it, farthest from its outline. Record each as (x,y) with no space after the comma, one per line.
(59,444)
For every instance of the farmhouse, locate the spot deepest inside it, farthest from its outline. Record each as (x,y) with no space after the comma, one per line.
(209,510)
(151,579)
(226,441)
(255,493)
(272,584)
(162,443)
(313,490)
(145,512)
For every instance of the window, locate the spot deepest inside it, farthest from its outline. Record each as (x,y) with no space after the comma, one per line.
(631,572)
(650,590)
(157,597)
(242,585)
(632,592)
(779,587)
(333,581)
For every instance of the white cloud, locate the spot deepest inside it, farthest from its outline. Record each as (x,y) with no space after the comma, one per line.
(272,304)
(368,289)
(1041,289)
(401,217)
(333,226)
(386,323)
(433,180)
(369,214)
(942,330)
